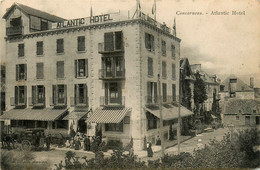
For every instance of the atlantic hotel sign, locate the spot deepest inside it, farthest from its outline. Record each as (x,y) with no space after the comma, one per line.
(83,21)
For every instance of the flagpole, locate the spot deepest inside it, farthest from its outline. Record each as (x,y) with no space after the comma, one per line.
(91,12)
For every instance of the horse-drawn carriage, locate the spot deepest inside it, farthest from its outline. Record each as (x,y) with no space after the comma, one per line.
(26,139)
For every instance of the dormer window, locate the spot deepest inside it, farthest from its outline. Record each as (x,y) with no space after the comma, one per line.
(254,111)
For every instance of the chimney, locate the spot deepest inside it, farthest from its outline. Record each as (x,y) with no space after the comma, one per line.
(252,82)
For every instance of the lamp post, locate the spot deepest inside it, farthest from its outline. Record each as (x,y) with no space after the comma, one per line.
(179,114)
(161,117)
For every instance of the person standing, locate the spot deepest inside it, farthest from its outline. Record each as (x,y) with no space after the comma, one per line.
(149,150)
(48,142)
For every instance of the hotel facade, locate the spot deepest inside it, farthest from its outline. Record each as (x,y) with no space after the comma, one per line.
(106,70)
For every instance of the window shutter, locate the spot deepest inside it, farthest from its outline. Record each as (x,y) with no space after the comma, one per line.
(149,89)
(85,94)
(34,95)
(119,40)
(109,41)
(152,42)
(44,95)
(76,68)
(65,94)
(17,72)
(155,92)
(77,93)
(16,95)
(25,71)
(86,67)
(25,94)
(146,41)
(106,93)
(120,93)
(54,94)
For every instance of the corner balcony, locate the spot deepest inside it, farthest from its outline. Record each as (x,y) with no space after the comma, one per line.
(14,31)
(105,74)
(102,49)
(112,102)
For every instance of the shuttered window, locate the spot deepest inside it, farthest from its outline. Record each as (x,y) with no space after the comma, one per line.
(81,93)
(113,41)
(163,48)
(173,92)
(81,68)
(149,42)
(38,94)
(60,46)
(164,68)
(39,46)
(164,90)
(114,126)
(20,95)
(21,72)
(60,69)
(173,51)
(150,66)
(20,50)
(39,71)
(59,94)
(81,43)
(173,72)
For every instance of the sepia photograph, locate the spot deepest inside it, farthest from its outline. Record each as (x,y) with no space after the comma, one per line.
(129,84)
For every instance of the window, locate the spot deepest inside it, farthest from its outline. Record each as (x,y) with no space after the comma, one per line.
(151,121)
(173,51)
(21,72)
(150,66)
(173,92)
(16,22)
(44,25)
(233,80)
(60,124)
(113,41)
(257,120)
(39,71)
(59,94)
(39,46)
(20,50)
(41,124)
(163,48)
(149,42)
(164,73)
(38,94)
(60,69)
(113,93)
(81,43)
(222,87)
(237,118)
(164,90)
(81,68)
(114,126)
(173,72)
(20,95)
(254,111)
(81,93)
(152,92)
(60,46)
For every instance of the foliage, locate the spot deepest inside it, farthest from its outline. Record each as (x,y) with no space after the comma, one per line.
(186,93)
(20,160)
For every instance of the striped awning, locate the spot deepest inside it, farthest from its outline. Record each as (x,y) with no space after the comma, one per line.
(108,115)
(46,114)
(75,116)
(171,112)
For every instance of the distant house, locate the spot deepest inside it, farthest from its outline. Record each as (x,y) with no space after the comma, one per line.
(242,112)
(233,87)
(212,85)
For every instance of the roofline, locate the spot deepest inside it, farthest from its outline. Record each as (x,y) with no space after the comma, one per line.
(93,26)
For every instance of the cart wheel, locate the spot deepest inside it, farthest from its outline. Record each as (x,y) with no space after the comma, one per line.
(26,145)
(15,144)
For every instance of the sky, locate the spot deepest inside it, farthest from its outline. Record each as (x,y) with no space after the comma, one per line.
(222,44)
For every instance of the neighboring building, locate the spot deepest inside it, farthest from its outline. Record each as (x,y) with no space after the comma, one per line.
(187,82)
(101,68)
(211,83)
(2,89)
(233,87)
(242,112)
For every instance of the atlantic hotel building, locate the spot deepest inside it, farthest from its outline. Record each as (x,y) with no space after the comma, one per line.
(104,70)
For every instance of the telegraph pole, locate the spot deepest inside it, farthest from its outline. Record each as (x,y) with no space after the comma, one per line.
(161,117)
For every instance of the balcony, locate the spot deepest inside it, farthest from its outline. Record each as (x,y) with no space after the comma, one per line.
(14,31)
(58,102)
(102,49)
(105,74)
(112,102)
(17,102)
(34,103)
(152,100)
(79,102)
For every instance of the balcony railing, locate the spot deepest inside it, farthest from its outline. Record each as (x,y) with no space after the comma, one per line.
(78,102)
(17,103)
(102,49)
(34,103)
(112,102)
(150,100)
(105,74)
(14,30)
(62,102)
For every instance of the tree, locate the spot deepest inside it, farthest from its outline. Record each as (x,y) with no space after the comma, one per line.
(186,94)
(200,94)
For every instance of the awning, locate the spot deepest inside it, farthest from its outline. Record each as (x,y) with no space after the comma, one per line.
(46,114)
(171,112)
(76,116)
(108,115)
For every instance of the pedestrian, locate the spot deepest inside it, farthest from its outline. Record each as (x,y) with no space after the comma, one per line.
(67,143)
(48,141)
(77,144)
(149,150)
(158,141)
